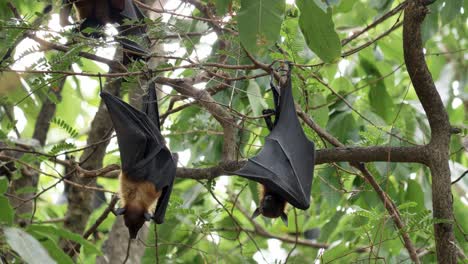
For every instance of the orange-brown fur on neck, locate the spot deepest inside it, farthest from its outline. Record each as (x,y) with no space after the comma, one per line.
(262,193)
(137,194)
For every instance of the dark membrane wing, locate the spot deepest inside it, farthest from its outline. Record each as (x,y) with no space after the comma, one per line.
(131,46)
(286,162)
(136,136)
(150,105)
(131,12)
(272,168)
(300,150)
(166,165)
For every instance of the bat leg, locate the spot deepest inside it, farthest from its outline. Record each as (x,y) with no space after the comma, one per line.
(267,116)
(255,213)
(119,211)
(284,218)
(148,217)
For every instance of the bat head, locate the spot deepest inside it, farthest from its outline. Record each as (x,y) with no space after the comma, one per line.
(134,219)
(272,206)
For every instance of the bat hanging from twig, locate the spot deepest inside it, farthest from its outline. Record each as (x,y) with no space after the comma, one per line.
(285,165)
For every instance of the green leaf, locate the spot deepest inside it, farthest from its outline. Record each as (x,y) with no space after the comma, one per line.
(3,184)
(380,100)
(55,251)
(415,194)
(320,115)
(343,126)
(47,229)
(222,6)
(29,249)
(319,30)
(260,23)
(430,25)
(7,213)
(451,10)
(255,98)
(253,186)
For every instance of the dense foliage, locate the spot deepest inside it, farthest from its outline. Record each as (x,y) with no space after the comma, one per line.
(349,77)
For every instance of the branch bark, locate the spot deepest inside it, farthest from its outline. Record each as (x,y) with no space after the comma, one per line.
(437,152)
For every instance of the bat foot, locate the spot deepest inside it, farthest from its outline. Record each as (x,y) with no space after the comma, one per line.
(119,211)
(267,116)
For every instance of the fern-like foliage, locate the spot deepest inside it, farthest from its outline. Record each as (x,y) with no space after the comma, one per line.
(60,147)
(64,125)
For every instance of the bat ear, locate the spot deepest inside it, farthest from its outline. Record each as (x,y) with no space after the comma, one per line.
(148,217)
(120,211)
(284,217)
(256,213)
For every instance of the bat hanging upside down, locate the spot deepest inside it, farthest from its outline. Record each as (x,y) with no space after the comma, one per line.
(98,13)
(148,167)
(285,165)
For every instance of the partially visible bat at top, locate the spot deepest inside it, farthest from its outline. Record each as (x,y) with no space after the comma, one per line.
(148,167)
(97,13)
(285,165)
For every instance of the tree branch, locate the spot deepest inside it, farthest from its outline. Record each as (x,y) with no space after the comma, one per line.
(437,153)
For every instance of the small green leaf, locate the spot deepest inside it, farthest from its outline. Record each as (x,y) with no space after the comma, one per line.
(7,213)
(29,249)
(260,23)
(3,184)
(222,6)
(255,98)
(319,30)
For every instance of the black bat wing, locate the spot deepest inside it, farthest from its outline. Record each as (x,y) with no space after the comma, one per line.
(165,162)
(286,162)
(129,10)
(144,155)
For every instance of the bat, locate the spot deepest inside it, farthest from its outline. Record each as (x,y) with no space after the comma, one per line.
(148,167)
(285,165)
(97,13)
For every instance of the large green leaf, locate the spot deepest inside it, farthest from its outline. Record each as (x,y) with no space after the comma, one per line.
(30,250)
(319,30)
(48,229)
(260,23)
(255,98)
(320,114)
(343,126)
(380,100)
(450,10)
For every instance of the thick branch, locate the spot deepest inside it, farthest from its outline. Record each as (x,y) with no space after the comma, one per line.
(438,148)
